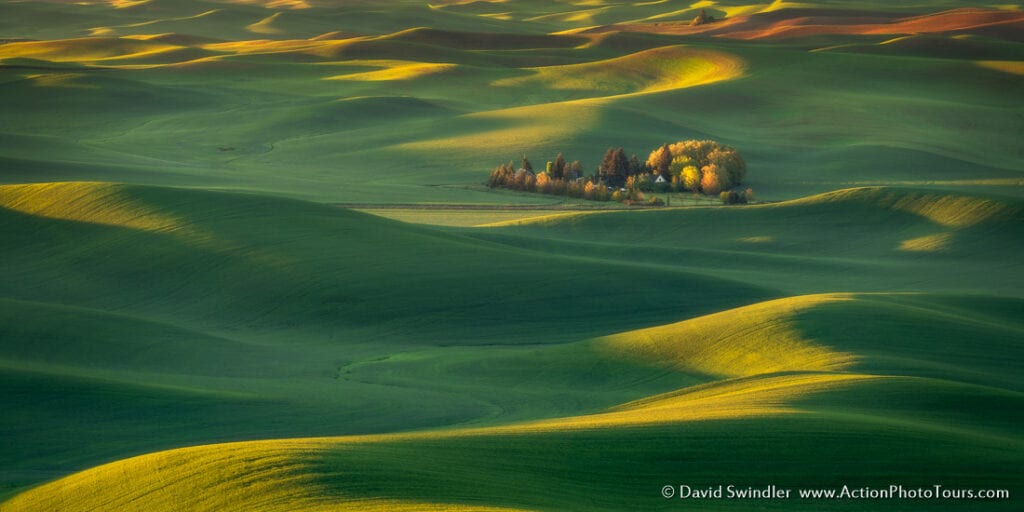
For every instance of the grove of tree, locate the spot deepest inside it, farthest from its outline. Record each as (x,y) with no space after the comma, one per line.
(700,166)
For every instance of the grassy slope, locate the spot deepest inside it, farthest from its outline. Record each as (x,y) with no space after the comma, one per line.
(191,358)
(190,317)
(340,120)
(736,430)
(285,299)
(462,218)
(223,261)
(793,245)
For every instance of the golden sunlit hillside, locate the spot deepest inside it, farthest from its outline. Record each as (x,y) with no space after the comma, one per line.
(496,255)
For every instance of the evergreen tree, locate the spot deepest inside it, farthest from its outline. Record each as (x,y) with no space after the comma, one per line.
(607,166)
(526,164)
(616,167)
(574,171)
(558,169)
(635,167)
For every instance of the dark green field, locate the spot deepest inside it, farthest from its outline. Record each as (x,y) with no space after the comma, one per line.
(190,321)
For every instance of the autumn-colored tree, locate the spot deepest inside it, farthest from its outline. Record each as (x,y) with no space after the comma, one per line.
(731,162)
(711,179)
(544,183)
(606,169)
(524,180)
(695,149)
(691,178)
(660,161)
(501,176)
(702,166)
(679,163)
(731,168)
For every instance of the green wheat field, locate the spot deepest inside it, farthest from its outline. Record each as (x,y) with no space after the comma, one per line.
(250,261)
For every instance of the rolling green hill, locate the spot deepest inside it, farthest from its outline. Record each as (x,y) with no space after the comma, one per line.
(752,419)
(221,261)
(206,350)
(250,303)
(189,321)
(865,239)
(182,93)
